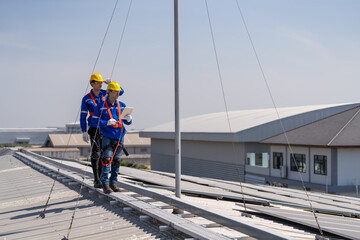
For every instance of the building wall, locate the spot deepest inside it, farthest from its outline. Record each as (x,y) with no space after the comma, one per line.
(348,166)
(206,159)
(256,148)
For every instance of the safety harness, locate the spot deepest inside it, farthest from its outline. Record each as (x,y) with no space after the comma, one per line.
(92,97)
(117,125)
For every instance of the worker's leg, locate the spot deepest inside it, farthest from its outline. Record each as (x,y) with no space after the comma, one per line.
(107,154)
(95,137)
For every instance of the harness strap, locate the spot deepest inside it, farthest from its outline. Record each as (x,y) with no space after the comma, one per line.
(92,97)
(118,123)
(102,162)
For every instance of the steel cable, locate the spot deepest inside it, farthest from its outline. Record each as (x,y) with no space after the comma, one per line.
(224,97)
(277,113)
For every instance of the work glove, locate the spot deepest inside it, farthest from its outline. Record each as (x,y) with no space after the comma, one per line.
(111,122)
(128,117)
(108,80)
(86,137)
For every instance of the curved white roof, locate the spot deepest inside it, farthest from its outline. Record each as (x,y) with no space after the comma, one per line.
(248,125)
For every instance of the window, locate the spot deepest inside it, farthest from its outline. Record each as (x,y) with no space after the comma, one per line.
(278,160)
(258,159)
(300,160)
(320,164)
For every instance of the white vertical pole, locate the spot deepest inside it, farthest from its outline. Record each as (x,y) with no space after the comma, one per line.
(177,102)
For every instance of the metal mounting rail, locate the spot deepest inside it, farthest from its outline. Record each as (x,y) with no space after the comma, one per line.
(172,220)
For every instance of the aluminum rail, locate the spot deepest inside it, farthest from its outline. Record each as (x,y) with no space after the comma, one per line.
(244,227)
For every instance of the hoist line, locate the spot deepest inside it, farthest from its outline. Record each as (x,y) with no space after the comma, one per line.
(102,43)
(277,113)
(121,38)
(42,215)
(223,94)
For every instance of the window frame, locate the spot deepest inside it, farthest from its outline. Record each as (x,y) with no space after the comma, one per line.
(322,163)
(278,159)
(300,159)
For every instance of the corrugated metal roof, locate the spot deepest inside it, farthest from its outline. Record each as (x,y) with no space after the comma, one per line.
(25,197)
(247,125)
(24,192)
(67,140)
(133,139)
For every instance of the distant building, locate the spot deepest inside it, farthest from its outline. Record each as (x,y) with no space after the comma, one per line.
(33,136)
(137,147)
(73,127)
(66,153)
(324,143)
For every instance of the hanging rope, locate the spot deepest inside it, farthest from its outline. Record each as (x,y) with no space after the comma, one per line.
(277,113)
(121,38)
(224,98)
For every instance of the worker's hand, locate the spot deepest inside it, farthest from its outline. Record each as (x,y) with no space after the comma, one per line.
(111,122)
(128,118)
(108,80)
(86,137)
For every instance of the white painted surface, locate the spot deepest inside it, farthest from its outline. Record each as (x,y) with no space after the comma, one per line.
(348,166)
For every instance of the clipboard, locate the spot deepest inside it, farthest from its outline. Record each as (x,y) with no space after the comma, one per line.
(126,111)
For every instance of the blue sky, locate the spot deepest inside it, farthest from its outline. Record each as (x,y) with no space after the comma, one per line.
(309,51)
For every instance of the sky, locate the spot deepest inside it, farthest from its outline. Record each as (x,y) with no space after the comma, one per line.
(309,51)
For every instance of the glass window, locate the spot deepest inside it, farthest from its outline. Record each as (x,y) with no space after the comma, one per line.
(320,164)
(299,160)
(258,159)
(278,160)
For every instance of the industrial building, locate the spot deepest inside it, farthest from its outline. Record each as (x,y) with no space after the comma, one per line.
(72,146)
(323,140)
(32,136)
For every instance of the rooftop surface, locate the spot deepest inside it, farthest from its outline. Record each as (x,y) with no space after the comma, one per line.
(23,201)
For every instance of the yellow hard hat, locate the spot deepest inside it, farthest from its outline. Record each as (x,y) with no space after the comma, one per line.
(114,86)
(96,77)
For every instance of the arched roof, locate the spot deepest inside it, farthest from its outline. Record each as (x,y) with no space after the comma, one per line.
(247,125)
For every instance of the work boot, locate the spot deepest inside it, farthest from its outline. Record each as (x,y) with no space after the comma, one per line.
(97,184)
(107,189)
(114,187)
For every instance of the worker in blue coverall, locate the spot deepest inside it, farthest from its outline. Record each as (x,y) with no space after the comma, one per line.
(88,105)
(113,131)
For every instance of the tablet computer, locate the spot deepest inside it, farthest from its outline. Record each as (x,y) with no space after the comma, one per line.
(126,111)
